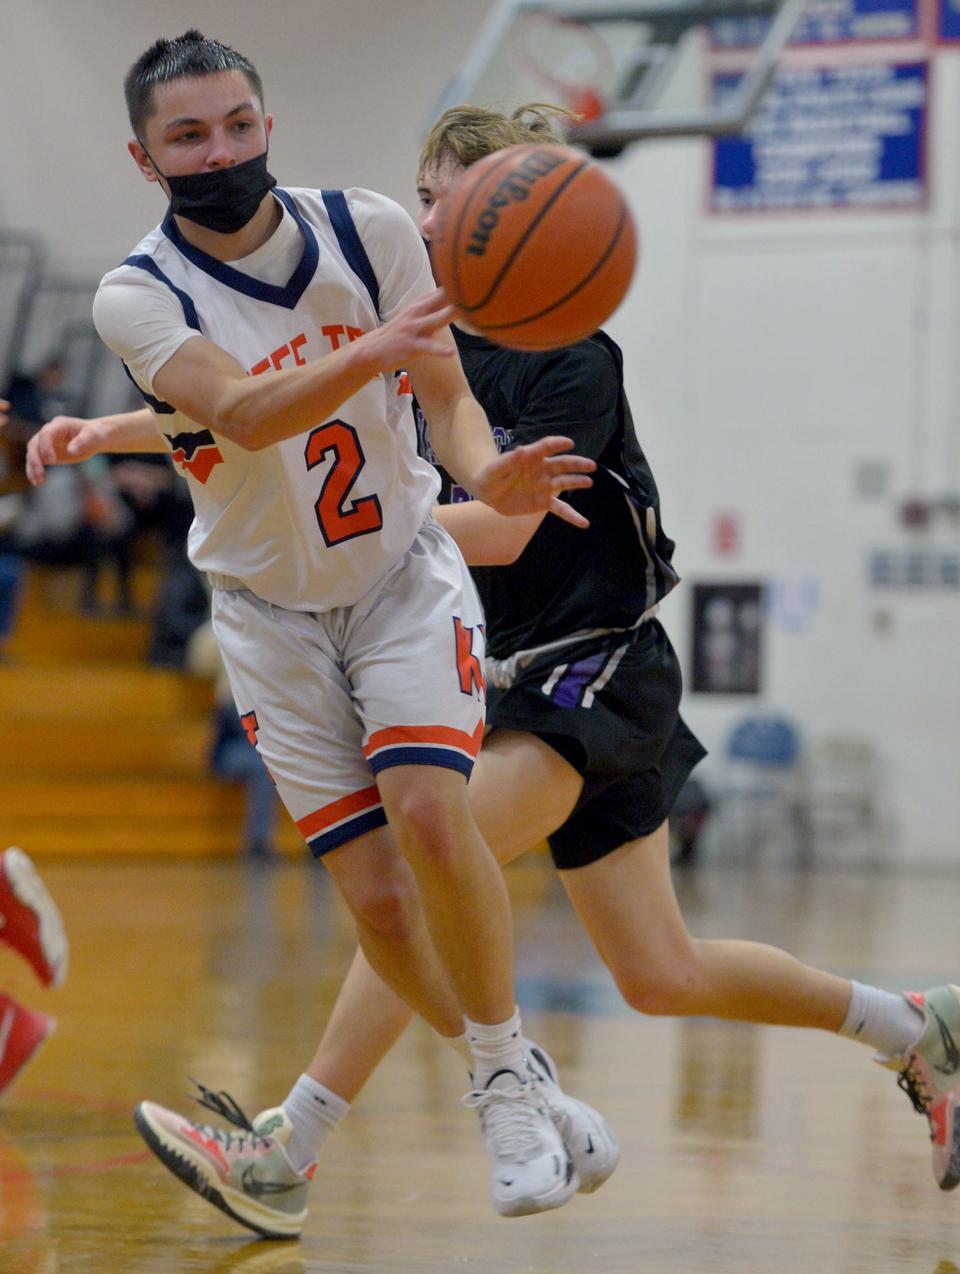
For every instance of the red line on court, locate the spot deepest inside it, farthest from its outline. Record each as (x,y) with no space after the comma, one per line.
(101,1165)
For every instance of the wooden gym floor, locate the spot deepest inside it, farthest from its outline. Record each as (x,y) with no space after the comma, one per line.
(745,1150)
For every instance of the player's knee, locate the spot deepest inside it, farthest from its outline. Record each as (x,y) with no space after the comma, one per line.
(386,906)
(390,915)
(423,824)
(658,992)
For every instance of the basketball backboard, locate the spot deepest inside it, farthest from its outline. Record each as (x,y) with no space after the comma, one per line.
(629,71)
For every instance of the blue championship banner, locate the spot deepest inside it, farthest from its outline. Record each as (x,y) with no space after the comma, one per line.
(830,22)
(948,25)
(828,137)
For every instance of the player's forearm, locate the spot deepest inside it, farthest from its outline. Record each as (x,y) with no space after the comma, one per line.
(461,438)
(485,537)
(207,384)
(258,411)
(129,432)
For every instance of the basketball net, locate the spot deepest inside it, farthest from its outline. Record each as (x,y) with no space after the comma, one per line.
(545,44)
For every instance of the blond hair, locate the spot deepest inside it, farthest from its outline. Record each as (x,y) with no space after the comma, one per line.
(464,133)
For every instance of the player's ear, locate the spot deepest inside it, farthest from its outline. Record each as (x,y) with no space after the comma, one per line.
(142,160)
(268,125)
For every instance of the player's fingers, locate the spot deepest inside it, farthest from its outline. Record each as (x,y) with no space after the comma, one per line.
(550,445)
(571,482)
(567,513)
(79,444)
(433,303)
(569,464)
(552,453)
(46,448)
(438,318)
(34,465)
(439,349)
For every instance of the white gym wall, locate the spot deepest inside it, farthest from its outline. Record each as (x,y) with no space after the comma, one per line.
(772,359)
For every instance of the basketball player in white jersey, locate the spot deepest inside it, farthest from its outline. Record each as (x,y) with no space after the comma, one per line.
(609,842)
(265,329)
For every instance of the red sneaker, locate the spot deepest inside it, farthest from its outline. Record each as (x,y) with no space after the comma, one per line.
(30,920)
(22,1031)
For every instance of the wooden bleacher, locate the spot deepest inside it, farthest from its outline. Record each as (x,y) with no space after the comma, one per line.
(99,752)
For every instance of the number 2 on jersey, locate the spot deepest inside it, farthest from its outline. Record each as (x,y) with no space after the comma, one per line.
(339,520)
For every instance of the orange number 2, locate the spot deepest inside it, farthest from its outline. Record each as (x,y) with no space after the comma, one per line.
(338,519)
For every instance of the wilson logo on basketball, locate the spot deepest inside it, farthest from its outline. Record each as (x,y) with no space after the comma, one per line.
(514,188)
(536,246)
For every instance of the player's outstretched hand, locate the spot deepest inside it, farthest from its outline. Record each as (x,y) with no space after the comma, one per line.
(412,333)
(529,479)
(63,440)
(4,408)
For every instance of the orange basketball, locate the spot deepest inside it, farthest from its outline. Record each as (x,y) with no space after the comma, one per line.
(536,246)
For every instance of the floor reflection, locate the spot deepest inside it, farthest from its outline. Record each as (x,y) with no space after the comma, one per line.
(716,1089)
(744,1149)
(24,1240)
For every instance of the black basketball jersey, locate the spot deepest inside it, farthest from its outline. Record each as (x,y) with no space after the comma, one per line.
(568,581)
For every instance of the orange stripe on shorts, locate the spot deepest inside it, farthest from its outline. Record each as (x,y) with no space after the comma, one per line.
(337,811)
(411,735)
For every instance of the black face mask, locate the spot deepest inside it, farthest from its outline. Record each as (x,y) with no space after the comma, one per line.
(221,199)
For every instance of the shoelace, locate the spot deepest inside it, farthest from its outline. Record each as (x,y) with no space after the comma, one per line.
(553,1096)
(910,1082)
(226,1107)
(511,1121)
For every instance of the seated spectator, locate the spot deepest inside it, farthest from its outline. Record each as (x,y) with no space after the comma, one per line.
(11,502)
(93,513)
(162,502)
(82,519)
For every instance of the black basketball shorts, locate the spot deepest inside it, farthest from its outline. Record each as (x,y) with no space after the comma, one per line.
(611,709)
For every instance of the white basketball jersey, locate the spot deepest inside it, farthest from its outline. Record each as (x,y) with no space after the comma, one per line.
(313,522)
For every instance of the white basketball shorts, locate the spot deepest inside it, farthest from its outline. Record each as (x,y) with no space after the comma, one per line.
(332,698)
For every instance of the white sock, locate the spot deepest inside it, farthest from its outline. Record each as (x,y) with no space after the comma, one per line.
(885,1021)
(461,1046)
(494,1048)
(314,1112)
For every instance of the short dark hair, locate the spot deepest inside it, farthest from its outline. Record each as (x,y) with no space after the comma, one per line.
(189,54)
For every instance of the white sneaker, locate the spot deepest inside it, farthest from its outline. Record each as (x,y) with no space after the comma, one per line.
(593,1147)
(532,1168)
